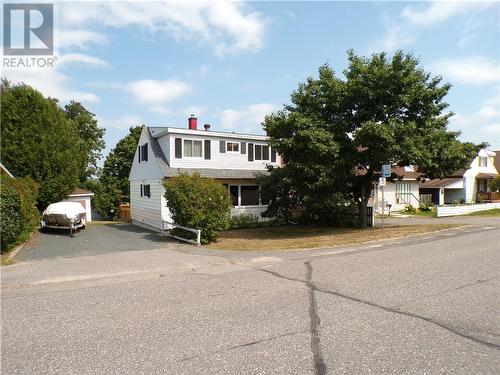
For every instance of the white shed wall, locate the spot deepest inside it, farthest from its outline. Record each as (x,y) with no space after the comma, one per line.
(88,207)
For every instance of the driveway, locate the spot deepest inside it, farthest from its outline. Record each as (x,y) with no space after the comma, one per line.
(94,240)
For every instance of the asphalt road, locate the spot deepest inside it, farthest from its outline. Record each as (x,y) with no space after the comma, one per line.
(427,304)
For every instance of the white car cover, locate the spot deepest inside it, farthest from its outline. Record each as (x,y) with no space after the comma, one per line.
(70,209)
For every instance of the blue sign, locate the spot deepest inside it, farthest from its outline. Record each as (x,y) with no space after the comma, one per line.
(386,170)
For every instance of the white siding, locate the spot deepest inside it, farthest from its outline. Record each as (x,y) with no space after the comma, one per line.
(144,210)
(218,160)
(390,196)
(473,171)
(145,170)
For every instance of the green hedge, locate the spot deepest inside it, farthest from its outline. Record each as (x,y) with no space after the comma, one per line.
(199,203)
(18,213)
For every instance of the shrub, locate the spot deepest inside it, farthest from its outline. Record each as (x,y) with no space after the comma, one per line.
(199,203)
(425,207)
(409,209)
(244,221)
(19,215)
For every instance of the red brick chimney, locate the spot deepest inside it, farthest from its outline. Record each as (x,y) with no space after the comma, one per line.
(193,122)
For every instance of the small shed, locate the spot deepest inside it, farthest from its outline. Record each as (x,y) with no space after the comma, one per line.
(82,196)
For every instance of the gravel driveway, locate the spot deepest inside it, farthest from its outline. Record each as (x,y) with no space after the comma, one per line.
(95,239)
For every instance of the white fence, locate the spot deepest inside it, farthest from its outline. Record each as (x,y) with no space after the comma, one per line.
(464,209)
(167,226)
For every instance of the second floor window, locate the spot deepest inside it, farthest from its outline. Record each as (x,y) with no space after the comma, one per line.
(483,161)
(192,149)
(232,147)
(261,152)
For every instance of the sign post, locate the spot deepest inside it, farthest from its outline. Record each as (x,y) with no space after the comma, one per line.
(381,184)
(386,172)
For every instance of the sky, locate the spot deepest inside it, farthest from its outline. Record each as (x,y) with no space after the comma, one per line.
(231,63)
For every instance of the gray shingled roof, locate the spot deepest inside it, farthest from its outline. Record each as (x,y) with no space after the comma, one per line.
(167,171)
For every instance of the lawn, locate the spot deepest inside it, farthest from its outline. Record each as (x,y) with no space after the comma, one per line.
(492,212)
(304,237)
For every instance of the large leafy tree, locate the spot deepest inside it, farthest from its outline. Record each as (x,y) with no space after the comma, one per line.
(91,136)
(337,132)
(113,187)
(38,141)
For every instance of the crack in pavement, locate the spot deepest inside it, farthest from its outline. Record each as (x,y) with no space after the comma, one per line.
(243,345)
(319,362)
(386,308)
(446,291)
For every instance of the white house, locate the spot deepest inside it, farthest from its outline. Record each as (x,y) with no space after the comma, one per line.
(399,193)
(464,186)
(233,159)
(84,197)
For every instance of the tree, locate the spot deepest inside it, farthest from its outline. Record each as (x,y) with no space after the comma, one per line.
(337,133)
(199,203)
(91,136)
(494,184)
(38,141)
(113,187)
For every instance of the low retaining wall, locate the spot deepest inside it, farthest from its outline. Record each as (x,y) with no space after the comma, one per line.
(464,209)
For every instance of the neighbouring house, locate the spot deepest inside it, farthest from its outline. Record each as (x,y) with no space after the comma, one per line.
(401,192)
(233,159)
(465,186)
(84,197)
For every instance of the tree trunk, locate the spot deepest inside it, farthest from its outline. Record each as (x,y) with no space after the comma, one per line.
(363,203)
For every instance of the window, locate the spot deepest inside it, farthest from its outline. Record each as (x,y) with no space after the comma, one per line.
(483,161)
(143,152)
(258,152)
(192,149)
(403,192)
(261,152)
(244,195)
(249,195)
(232,147)
(146,191)
(233,191)
(265,152)
(482,186)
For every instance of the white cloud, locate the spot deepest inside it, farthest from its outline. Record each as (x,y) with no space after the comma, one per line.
(50,82)
(79,38)
(437,11)
(404,28)
(476,70)
(483,124)
(155,93)
(122,122)
(229,27)
(81,58)
(469,33)
(246,119)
